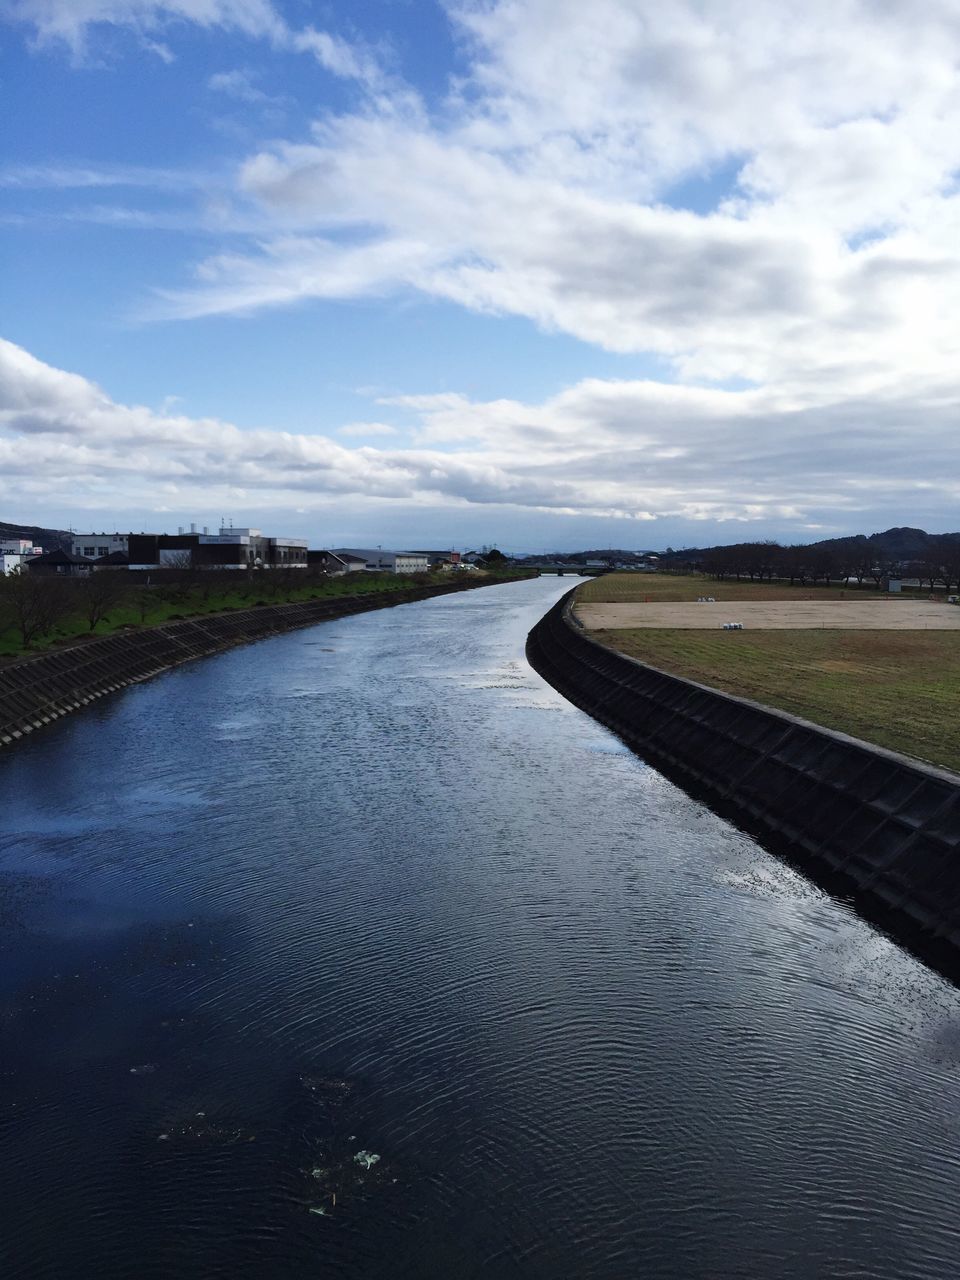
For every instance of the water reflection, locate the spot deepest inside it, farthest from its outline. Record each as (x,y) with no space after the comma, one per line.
(289,905)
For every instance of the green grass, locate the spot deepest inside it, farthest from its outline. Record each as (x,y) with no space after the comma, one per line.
(630,588)
(898,689)
(125,615)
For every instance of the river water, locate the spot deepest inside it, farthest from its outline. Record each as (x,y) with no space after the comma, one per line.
(374,887)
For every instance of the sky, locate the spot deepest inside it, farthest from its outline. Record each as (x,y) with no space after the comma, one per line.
(532,273)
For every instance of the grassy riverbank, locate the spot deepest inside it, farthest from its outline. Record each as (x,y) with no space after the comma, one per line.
(897,689)
(137,606)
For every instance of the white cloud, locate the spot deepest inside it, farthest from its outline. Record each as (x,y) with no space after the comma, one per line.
(539,190)
(240,86)
(76,177)
(163,51)
(338,56)
(626,450)
(361,430)
(70,20)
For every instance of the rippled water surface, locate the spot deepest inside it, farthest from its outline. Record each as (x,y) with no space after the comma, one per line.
(375,887)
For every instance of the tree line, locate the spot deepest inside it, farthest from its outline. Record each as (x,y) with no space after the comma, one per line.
(939,565)
(35,606)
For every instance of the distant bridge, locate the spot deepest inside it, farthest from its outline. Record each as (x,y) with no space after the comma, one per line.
(561,570)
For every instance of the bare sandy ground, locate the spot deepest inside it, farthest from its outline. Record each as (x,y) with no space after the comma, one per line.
(776,615)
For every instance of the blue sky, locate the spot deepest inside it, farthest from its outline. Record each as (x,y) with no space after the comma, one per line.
(540,274)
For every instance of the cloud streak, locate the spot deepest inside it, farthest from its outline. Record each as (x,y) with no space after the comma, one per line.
(70,21)
(626,450)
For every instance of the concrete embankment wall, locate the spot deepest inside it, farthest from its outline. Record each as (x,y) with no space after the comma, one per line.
(36,691)
(883,828)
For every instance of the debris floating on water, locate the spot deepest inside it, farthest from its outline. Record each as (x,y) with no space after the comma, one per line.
(366,1159)
(331,1091)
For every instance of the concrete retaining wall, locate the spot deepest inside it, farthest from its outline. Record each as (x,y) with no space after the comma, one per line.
(37,691)
(884,828)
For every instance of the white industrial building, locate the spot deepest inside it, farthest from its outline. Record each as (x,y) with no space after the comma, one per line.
(15,553)
(387,561)
(335,566)
(91,546)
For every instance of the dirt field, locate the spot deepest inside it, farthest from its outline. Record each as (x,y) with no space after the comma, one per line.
(883,613)
(625,588)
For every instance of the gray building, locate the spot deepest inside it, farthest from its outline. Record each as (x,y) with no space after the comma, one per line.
(231,548)
(441,559)
(91,546)
(334,565)
(381,561)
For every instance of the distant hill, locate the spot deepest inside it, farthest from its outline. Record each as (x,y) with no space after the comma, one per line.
(897,544)
(580,557)
(49,539)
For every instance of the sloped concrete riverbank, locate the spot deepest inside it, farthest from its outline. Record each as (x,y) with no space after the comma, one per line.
(877,825)
(39,690)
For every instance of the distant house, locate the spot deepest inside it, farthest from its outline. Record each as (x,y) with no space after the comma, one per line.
(115,560)
(59,563)
(335,565)
(441,559)
(380,561)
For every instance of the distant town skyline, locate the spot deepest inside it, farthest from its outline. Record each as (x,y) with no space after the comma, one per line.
(537,274)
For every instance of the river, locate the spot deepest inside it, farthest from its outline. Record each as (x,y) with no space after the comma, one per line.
(373,887)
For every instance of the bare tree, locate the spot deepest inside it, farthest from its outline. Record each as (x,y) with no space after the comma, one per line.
(99,592)
(792,564)
(34,603)
(722,561)
(142,599)
(930,568)
(879,570)
(182,561)
(949,548)
(824,561)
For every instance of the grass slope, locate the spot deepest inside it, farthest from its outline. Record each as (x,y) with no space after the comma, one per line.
(126,615)
(898,689)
